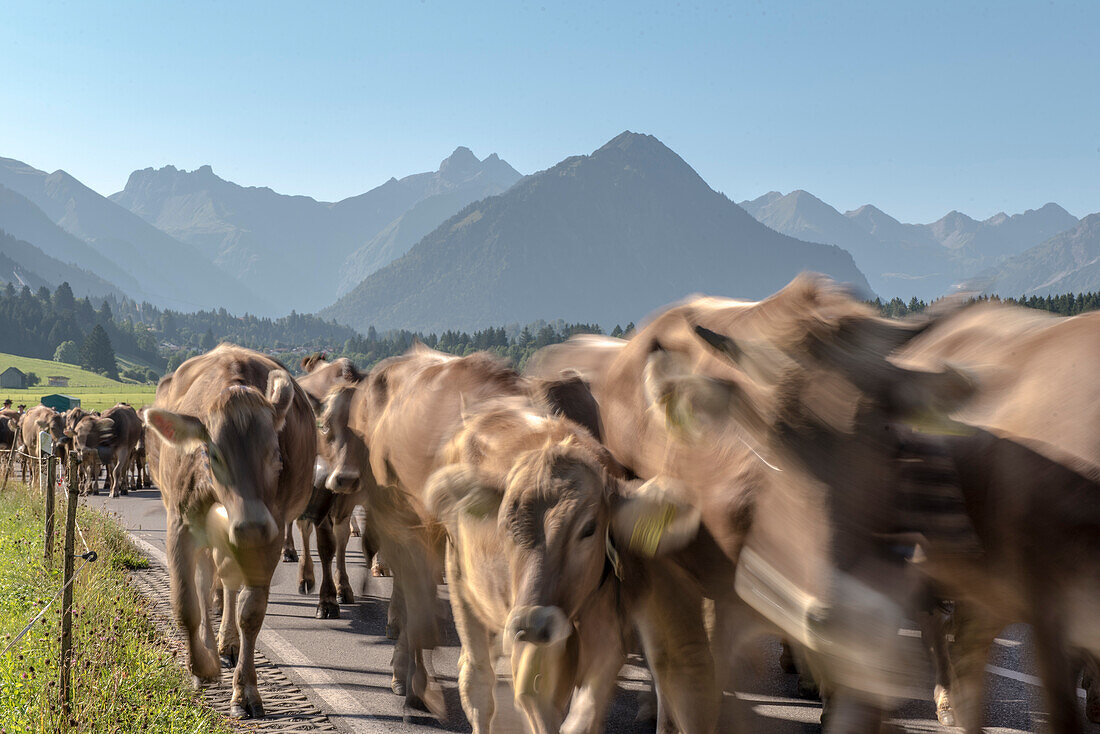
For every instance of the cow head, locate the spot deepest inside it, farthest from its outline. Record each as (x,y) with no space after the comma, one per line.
(564,518)
(238,438)
(52,422)
(339,459)
(820,432)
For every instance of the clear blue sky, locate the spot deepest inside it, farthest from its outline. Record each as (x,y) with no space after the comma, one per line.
(918,107)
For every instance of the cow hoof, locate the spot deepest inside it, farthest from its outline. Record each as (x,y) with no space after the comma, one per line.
(290,555)
(347,596)
(392,631)
(943,706)
(398,687)
(112,494)
(305,587)
(431,701)
(229,656)
(328,610)
(199,682)
(247,710)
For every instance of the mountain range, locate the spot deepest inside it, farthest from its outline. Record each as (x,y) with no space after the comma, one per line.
(925,260)
(301,252)
(605,237)
(1069,262)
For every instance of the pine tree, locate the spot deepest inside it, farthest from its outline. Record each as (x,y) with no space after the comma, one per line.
(63,299)
(97,354)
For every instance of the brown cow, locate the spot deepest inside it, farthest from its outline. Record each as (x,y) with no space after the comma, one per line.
(790,464)
(110,439)
(321,376)
(534,518)
(330,512)
(41,418)
(1035,503)
(232,448)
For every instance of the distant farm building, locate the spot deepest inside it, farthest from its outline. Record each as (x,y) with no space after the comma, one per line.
(13,378)
(60,402)
(57,381)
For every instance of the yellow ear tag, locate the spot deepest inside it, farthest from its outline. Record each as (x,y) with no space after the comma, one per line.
(480,505)
(679,416)
(649,528)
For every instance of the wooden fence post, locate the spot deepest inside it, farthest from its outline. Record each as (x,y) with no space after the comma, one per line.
(67,597)
(51,493)
(8,468)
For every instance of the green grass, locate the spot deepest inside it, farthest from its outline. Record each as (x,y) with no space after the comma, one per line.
(78,377)
(96,392)
(125,679)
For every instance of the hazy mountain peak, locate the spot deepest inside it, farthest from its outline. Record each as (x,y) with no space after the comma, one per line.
(632,142)
(605,236)
(462,162)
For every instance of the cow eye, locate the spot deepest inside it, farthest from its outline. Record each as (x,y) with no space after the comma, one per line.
(589,529)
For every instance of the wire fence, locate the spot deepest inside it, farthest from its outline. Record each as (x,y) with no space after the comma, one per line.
(44,466)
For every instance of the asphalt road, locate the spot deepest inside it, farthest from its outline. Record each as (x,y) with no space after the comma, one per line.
(344,664)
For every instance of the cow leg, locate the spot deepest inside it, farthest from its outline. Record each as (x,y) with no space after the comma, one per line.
(1058,673)
(306,579)
(596,681)
(251,608)
(476,678)
(289,554)
(415,563)
(974,635)
(185,599)
(343,580)
(933,629)
(112,478)
(1090,681)
(205,563)
(327,606)
(670,623)
(229,639)
(122,478)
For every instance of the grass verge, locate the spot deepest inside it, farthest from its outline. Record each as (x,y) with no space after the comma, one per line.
(125,679)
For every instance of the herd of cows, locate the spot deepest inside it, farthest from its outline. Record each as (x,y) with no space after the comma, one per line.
(797,467)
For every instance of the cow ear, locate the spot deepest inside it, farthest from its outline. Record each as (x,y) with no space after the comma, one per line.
(105,426)
(688,400)
(184,431)
(42,425)
(945,390)
(455,489)
(280,393)
(654,519)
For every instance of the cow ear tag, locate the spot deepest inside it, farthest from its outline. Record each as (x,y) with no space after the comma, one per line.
(650,527)
(481,503)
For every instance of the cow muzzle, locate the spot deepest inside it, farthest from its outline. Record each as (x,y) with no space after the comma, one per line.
(342,481)
(252,526)
(538,625)
(855,639)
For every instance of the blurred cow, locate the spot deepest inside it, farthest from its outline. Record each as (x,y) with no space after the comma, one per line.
(794,464)
(1028,450)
